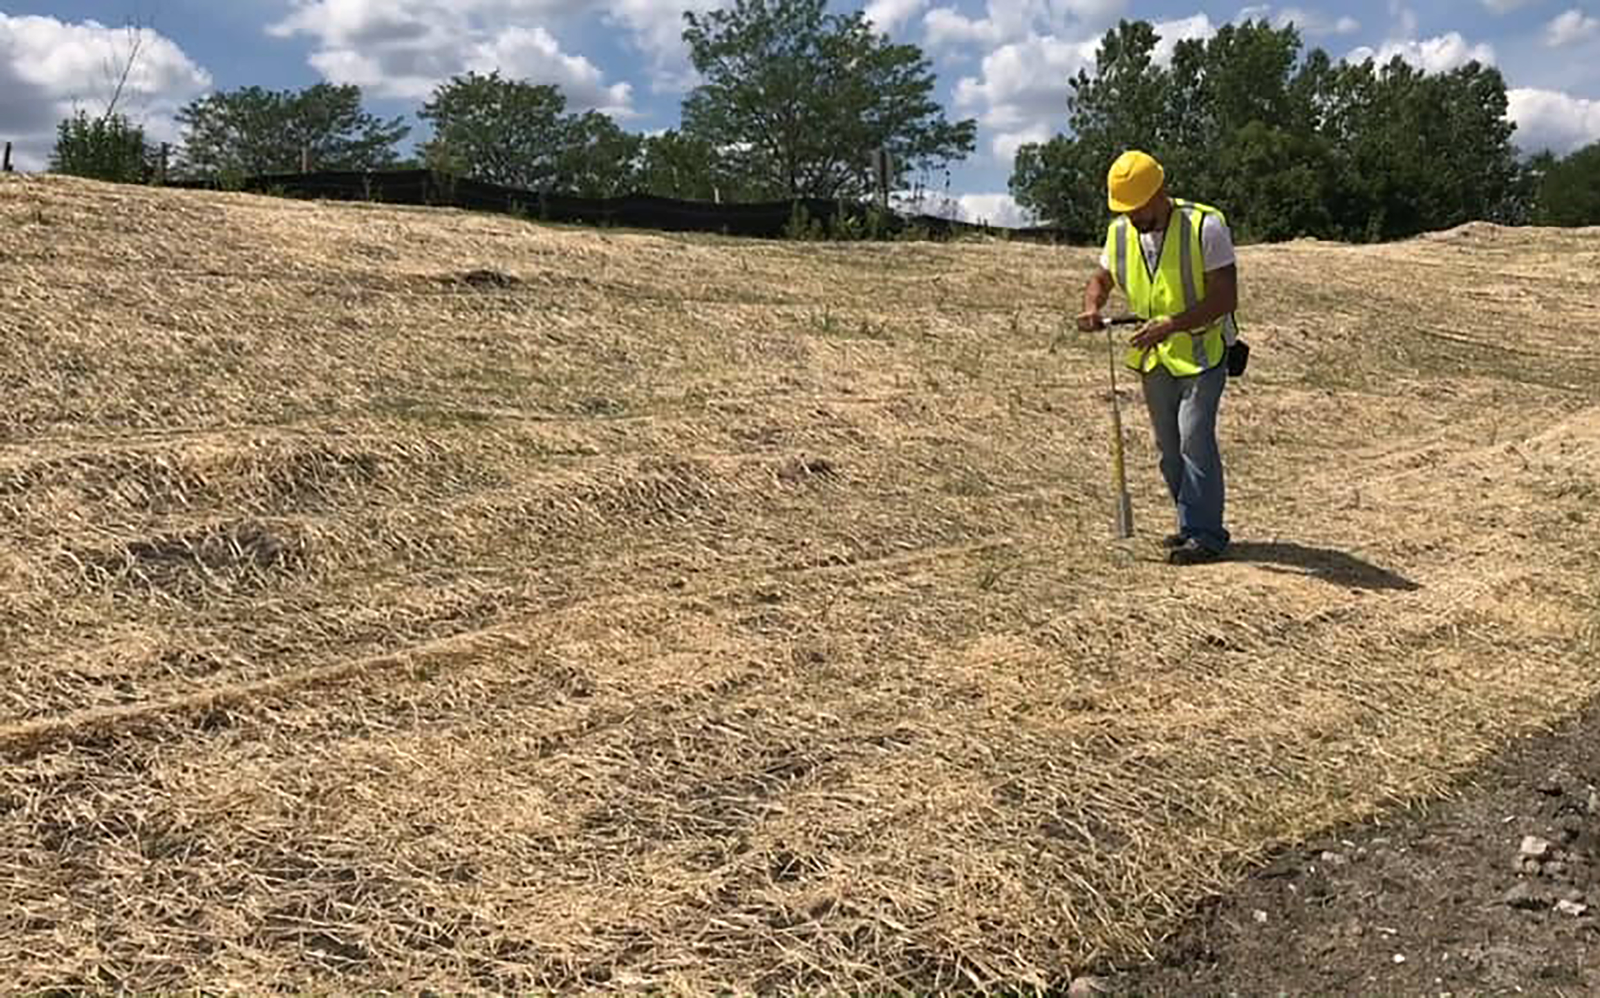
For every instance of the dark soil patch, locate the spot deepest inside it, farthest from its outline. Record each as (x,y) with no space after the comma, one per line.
(1440,899)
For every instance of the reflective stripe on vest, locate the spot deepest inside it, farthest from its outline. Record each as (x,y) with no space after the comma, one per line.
(1157,296)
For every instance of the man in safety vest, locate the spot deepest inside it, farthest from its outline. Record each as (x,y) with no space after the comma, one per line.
(1174,262)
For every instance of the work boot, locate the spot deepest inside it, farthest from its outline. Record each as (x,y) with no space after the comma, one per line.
(1192,552)
(1172,541)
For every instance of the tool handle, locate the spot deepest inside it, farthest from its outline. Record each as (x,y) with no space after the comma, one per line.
(1119,476)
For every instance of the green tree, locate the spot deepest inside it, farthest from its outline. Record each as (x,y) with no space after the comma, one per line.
(1531,174)
(497,130)
(1470,143)
(1225,117)
(1244,140)
(1275,182)
(1569,189)
(1287,146)
(108,147)
(599,159)
(251,131)
(1121,106)
(796,99)
(1417,151)
(675,165)
(1062,182)
(519,134)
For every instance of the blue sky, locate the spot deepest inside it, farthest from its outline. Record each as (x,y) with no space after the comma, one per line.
(1002,62)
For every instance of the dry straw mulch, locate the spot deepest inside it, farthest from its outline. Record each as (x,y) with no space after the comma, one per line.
(402,599)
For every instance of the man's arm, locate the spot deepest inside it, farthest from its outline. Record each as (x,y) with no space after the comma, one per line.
(1222,298)
(1095,295)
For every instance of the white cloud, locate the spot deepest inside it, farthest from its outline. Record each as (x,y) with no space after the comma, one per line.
(1189,29)
(656,27)
(1008,21)
(1090,13)
(1432,55)
(49,67)
(888,15)
(533,54)
(993,209)
(946,27)
(1505,6)
(1311,23)
(1550,119)
(1005,144)
(1021,95)
(404,48)
(1571,27)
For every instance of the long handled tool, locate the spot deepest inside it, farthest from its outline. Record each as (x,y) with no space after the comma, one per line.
(1119,474)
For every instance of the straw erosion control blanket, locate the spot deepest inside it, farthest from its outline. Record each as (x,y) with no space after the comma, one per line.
(402,599)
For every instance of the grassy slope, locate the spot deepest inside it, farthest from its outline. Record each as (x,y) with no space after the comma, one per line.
(688,611)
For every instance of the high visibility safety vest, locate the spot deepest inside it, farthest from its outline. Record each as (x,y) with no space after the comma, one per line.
(1178,285)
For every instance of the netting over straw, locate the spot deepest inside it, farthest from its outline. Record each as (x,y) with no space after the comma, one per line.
(401,599)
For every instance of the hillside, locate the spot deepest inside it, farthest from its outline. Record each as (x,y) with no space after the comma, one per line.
(401,599)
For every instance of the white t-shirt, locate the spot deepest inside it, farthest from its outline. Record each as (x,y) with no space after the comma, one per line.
(1216,245)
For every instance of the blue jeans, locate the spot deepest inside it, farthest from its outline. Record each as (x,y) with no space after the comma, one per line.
(1183,412)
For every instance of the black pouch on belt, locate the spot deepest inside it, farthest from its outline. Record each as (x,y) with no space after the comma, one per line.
(1238,358)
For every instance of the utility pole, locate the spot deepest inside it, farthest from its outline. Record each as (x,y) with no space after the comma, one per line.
(882,172)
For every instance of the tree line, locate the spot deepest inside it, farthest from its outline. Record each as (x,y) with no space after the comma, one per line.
(1296,144)
(793,101)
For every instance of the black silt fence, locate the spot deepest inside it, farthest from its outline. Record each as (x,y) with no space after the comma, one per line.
(767,219)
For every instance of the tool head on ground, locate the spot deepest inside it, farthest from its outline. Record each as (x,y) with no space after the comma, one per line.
(1133,180)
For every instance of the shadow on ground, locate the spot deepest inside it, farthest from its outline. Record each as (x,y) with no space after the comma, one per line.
(1322,563)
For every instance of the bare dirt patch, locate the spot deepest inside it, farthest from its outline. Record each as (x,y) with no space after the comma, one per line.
(1494,890)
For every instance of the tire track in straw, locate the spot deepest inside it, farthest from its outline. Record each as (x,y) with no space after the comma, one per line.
(31,737)
(25,739)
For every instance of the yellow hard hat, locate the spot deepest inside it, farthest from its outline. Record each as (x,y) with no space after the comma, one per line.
(1134,179)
